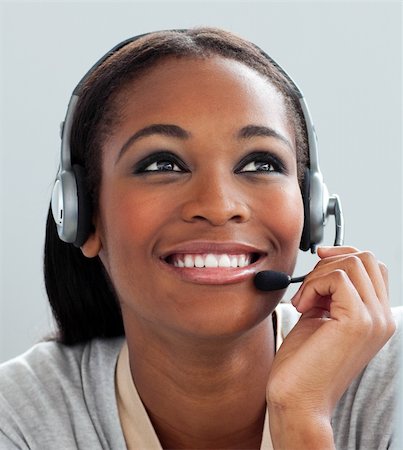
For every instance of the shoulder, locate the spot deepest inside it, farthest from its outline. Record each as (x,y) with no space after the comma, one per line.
(364,417)
(42,370)
(50,365)
(51,388)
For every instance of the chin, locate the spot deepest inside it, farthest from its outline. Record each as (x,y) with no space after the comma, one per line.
(224,316)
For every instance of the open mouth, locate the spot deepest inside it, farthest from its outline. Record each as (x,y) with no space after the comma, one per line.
(212,260)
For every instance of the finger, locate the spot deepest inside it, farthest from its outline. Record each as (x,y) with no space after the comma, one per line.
(356,274)
(376,270)
(385,276)
(333,290)
(377,275)
(326,252)
(346,293)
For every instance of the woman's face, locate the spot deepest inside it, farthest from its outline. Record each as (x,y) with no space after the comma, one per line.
(200,171)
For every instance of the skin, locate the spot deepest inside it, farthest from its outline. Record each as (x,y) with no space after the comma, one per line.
(207,343)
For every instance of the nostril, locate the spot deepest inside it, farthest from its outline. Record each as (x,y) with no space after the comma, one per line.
(238,218)
(217,219)
(199,218)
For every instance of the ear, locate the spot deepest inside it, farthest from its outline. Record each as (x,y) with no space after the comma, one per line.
(93,245)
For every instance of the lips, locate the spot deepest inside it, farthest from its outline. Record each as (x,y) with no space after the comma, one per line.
(212,262)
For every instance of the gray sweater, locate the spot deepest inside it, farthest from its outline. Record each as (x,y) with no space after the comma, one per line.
(59,397)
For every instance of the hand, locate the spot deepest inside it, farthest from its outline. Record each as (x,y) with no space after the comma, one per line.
(345,321)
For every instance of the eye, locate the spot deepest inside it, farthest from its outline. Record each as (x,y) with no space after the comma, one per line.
(261,162)
(258,166)
(162,166)
(158,162)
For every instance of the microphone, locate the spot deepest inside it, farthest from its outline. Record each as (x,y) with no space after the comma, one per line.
(270,280)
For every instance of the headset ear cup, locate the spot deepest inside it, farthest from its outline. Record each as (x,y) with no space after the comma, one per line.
(84,216)
(305,243)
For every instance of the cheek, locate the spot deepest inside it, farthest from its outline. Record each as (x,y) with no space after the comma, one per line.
(132,215)
(292,217)
(283,213)
(131,221)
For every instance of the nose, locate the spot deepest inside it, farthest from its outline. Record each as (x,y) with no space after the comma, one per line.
(217,200)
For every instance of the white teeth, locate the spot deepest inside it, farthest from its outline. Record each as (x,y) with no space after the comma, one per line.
(224,261)
(242,261)
(234,261)
(199,261)
(189,262)
(211,260)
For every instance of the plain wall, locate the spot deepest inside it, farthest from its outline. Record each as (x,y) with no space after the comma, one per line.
(345,56)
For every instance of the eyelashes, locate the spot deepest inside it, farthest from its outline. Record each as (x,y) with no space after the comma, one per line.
(160,161)
(261,162)
(257,162)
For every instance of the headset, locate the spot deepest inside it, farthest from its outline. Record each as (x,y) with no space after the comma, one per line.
(71,205)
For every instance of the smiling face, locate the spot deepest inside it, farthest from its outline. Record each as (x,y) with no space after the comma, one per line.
(198,192)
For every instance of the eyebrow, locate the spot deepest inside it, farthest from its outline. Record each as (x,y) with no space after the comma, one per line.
(157,128)
(247,132)
(251,131)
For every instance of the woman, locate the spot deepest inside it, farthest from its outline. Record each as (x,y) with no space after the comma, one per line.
(191,148)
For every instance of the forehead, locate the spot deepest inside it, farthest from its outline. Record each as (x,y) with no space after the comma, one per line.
(182,90)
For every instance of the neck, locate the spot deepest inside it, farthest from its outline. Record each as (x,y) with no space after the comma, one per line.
(205,393)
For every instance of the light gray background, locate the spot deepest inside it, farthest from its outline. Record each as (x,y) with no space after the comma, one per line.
(345,56)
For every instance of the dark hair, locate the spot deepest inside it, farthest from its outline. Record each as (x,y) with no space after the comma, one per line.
(80,293)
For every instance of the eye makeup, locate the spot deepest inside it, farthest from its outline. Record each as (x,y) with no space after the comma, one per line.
(254,163)
(158,162)
(261,162)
